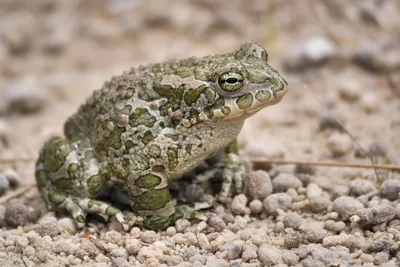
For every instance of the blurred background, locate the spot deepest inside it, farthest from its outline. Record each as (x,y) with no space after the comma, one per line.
(53,54)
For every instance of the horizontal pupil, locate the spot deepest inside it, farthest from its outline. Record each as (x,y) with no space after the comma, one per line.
(231,80)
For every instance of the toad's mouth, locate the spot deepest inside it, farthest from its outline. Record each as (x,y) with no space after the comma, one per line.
(238,114)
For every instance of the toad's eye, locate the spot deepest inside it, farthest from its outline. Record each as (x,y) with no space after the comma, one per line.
(231,81)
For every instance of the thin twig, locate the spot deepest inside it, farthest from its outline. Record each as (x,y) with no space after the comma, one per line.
(326,164)
(16,193)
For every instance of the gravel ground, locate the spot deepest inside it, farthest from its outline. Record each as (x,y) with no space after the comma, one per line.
(342,60)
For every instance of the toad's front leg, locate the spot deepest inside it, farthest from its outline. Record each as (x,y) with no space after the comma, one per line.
(226,164)
(151,199)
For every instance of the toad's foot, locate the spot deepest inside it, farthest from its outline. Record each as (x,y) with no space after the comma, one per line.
(79,207)
(226,164)
(193,211)
(151,199)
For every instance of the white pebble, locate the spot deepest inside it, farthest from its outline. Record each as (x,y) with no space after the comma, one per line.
(269,255)
(258,185)
(284,181)
(203,241)
(256,206)
(67,224)
(48,226)
(370,103)
(361,187)
(313,190)
(277,201)
(239,204)
(378,214)
(346,206)
(349,89)
(339,144)
(390,189)
(292,220)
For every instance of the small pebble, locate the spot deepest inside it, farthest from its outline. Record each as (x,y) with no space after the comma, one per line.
(170,231)
(214,262)
(24,97)
(277,201)
(67,224)
(115,237)
(148,237)
(361,187)
(370,103)
(380,242)
(181,225)
(29,251)
(334,226)
(233,251)
(132,246)
(304,169)
(256,206)
(258,185)
(239,204)
(269,255)
(290,258)
(217,223)
(331,120)
(390,189)
(320,204)
(293,239)
(17,213)
(4,184)
(120,262)
(350,89)
(2,216)
(312,263)
(5,132)
(311,52)
(249,254)
(119,253)
(346,206)
(284,181)
(315,235)
(313,190)
(381,257)
(340,190)
(48,226)
(87,248)
(203,241)
(292,220)
(380,213)
(303,251)
(350,241)
(22,242)
(192,193)
(397,212)
(201,226)
(279,227)
(339,144)
(13,178)
(377,149)
(18,37)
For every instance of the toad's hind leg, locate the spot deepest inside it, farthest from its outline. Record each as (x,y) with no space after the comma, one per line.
(68,177)
(151,199)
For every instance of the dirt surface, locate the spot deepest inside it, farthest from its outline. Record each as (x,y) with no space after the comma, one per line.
(341,59)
